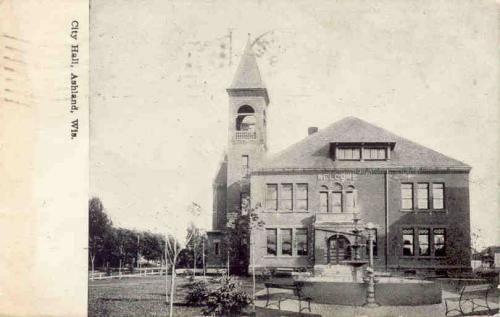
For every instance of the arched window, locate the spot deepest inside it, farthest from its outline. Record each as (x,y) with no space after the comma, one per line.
(323,199)
(350,198)
(337,198)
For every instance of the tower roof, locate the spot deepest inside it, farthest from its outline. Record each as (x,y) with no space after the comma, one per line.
(247,75)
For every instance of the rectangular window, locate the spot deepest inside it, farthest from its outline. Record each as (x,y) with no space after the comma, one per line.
(272,197)
(271,241)
(423,242)
(423,196)
(336,202)
(439,241)
(216,248)
(244,165)
(374,243)
(407,196)
(302,197)
(286,196)
(301,238)
(374,154)
(286,241)
(323,202)
(438,196)
(348,154)
(408,243)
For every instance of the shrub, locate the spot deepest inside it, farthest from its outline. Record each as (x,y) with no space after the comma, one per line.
(197,293)
(227,300)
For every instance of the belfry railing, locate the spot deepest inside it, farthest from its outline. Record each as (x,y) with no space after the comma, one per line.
(245,135)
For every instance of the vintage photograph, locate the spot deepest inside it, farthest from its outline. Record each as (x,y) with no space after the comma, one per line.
(293,158)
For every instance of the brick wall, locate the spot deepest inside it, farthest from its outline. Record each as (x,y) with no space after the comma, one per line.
(371,200)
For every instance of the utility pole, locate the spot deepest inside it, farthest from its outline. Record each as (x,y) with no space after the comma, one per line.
(138,253)
(194,257)
(166,268)
(203,259)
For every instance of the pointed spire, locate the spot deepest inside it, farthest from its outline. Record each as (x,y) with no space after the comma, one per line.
(248,74)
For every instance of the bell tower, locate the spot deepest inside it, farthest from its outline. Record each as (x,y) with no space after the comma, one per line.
(247,138)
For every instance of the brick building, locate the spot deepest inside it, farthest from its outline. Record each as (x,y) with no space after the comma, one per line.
(309,195)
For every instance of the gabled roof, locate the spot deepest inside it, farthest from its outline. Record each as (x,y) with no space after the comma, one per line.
(313,152)
(247,75)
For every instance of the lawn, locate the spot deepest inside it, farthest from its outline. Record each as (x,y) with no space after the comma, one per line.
(145,296)
(139,296)
(142,296)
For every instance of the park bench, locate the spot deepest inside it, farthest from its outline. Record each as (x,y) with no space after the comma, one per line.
(297,293)
(470,293)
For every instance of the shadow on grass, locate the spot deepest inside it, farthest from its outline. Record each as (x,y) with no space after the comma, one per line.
(265,312)
(157,294)
(176,304)
(129,299)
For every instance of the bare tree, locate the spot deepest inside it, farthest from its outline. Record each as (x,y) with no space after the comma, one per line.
(254,224)
(173,248)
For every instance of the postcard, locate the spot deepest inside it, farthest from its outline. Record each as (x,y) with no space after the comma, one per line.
(249,158)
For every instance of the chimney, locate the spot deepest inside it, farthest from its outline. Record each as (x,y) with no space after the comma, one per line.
(312,130)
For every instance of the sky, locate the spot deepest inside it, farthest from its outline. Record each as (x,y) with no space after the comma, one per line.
(426,70)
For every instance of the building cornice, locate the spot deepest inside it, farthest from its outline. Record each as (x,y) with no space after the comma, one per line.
(256,92)
(366,171)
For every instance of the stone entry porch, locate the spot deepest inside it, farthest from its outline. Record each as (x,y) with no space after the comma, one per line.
(335,240)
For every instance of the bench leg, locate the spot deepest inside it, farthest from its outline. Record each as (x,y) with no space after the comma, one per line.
(487,305)
(267,301)
(460,306)
(308,301)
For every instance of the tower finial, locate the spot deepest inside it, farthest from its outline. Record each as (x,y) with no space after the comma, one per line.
(247,74)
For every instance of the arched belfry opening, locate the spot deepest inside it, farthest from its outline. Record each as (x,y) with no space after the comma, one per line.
(245,120)
(246,109)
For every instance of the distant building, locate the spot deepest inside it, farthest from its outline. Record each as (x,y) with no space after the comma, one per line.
(310,193)
(490,257)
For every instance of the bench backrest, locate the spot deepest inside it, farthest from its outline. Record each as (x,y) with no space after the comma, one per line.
(475,288)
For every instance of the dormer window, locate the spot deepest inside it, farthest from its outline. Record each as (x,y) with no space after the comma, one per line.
(375,153)
(361,151)
(349,153)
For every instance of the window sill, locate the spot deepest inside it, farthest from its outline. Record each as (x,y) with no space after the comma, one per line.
(286,211)
(424,211)
(284,256)
(422,257)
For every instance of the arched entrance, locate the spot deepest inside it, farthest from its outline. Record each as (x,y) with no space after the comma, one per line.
(339,249)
